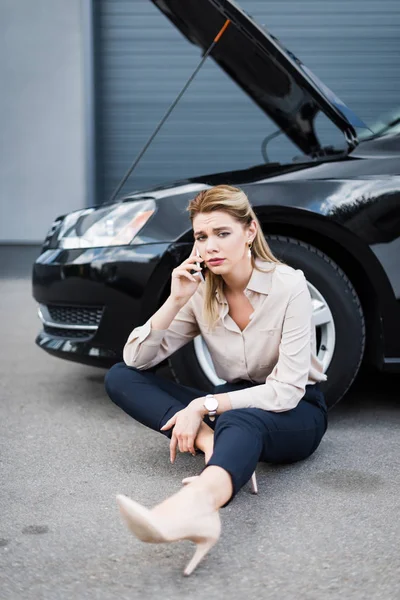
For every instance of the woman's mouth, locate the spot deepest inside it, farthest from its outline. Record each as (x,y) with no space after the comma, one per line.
(219,261)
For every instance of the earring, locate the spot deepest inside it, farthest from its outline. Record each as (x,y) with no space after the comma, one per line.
(249,250)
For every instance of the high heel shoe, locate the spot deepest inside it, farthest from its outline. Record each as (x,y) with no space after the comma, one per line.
(254,486)
(205,532)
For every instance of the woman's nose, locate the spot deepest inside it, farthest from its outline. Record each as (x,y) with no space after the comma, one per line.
(211,247)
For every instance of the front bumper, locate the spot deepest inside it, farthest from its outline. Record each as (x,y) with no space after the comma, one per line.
(91,299)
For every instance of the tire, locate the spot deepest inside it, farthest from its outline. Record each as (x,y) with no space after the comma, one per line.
(340,325)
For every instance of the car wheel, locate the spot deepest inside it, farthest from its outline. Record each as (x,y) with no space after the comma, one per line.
(337,316)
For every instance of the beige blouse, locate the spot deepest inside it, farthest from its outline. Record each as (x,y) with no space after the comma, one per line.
(276,350)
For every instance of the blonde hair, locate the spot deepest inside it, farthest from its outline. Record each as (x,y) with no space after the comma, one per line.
(235,203)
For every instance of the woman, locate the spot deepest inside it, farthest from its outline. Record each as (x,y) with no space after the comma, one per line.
(255,316)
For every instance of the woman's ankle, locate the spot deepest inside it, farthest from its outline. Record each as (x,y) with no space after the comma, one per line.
(218,483)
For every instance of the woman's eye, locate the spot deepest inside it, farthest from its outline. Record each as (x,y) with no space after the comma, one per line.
(221,233)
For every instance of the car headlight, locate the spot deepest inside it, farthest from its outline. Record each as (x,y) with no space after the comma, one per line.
(114,225)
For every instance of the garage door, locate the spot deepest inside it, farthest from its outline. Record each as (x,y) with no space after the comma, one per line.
(142,62)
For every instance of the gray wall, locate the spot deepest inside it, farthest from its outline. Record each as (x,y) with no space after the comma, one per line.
(42,150)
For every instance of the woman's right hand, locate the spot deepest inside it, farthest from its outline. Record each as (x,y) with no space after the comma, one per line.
(183,283)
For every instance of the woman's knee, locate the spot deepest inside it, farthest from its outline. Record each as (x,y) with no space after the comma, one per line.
(226,419)
(115,378)
(240,417)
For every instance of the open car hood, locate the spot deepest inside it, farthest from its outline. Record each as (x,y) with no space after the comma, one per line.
(287,91)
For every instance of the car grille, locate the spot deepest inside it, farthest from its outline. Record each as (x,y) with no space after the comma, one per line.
(75,315)
(70,322)
(68,333)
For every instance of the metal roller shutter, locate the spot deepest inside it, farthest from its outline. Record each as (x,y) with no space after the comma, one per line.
(142,62)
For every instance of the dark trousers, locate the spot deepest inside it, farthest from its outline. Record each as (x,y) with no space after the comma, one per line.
(242,437)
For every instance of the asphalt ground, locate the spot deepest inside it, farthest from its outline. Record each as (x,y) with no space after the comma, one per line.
(327,527)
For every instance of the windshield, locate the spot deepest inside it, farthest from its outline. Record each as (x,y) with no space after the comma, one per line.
(386,124)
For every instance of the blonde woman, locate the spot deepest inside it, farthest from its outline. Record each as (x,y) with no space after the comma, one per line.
(255,316)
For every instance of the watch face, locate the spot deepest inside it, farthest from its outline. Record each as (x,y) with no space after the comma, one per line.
(211,403)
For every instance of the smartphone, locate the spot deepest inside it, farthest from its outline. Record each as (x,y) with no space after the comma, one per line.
(200,273)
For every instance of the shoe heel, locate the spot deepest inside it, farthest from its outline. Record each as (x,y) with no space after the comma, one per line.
(201,550)
(254,486)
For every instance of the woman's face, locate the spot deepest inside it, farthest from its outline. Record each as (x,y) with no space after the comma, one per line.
(218,235)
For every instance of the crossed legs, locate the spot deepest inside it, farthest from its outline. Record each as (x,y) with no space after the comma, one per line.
(241,437)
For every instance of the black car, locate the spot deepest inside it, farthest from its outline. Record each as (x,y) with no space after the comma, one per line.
(335,214)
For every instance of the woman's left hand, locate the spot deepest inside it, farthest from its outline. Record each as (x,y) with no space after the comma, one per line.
(187,423)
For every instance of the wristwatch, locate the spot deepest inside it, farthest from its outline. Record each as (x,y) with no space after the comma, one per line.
(211,404)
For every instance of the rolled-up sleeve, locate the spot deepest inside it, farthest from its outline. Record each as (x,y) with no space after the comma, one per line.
(147,347)
(285,385)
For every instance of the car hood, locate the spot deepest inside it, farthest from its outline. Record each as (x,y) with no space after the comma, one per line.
(285,89)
